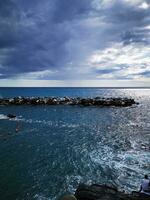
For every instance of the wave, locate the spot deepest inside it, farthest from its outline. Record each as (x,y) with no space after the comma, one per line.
(2,116)
(50,123)
(41,197)
(128,166)
(72,182)
(18,118)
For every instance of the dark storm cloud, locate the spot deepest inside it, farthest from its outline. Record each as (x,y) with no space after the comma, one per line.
(61,34)
(138,36)
(35,33)
(128,20)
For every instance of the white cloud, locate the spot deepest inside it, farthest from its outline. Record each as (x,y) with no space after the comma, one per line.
(135,2)
(120,61)
(36,75)
(98,4)
(147,27)
(144,5)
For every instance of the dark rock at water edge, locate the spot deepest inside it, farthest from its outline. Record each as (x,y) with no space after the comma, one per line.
(11,116)
(98,101)
(105,192)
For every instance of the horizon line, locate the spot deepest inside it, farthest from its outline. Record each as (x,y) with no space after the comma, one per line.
(75,83)
(101,87)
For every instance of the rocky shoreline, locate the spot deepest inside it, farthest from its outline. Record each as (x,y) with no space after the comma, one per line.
(97,101)
(105,192)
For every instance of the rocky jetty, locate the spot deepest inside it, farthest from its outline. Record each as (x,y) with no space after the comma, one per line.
(105,192)
(97,101)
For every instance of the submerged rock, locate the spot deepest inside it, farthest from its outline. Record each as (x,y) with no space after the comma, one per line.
(105,192)
(98,101)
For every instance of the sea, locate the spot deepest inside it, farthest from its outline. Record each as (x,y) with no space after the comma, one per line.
(58,147)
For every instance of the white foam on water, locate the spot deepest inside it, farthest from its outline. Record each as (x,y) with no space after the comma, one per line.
(102,155)
(41,197)
(133,165)
(136,161)
(18,118)
(2,116)
(50,123)
(69,125)
(72,182)
(133,144)
(129,166)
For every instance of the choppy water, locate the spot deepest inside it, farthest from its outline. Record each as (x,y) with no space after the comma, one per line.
(58,147)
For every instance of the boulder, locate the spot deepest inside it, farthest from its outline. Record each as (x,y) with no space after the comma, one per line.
(105,192)
(11,116)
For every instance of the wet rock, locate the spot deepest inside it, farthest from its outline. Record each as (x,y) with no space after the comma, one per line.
(105,192)
(86,102)
(11,116)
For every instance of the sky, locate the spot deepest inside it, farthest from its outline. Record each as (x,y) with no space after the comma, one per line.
(75,43)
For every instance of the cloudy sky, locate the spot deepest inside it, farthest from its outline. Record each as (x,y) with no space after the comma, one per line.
(56,42)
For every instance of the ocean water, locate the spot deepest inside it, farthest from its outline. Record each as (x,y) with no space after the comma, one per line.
(58,147)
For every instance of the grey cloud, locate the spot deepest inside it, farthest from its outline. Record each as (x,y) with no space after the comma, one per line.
(50,34)
(38,33)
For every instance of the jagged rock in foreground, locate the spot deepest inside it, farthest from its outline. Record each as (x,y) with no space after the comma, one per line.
(104,192)
(97,101)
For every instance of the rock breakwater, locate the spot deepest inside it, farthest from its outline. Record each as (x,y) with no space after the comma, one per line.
(97,101)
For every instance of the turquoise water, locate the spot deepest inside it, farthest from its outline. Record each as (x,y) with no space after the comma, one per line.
(57,147)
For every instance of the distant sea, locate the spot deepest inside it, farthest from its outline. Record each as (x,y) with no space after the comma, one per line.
(58,147)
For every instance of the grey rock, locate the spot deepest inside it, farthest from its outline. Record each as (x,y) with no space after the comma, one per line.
(98,101)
